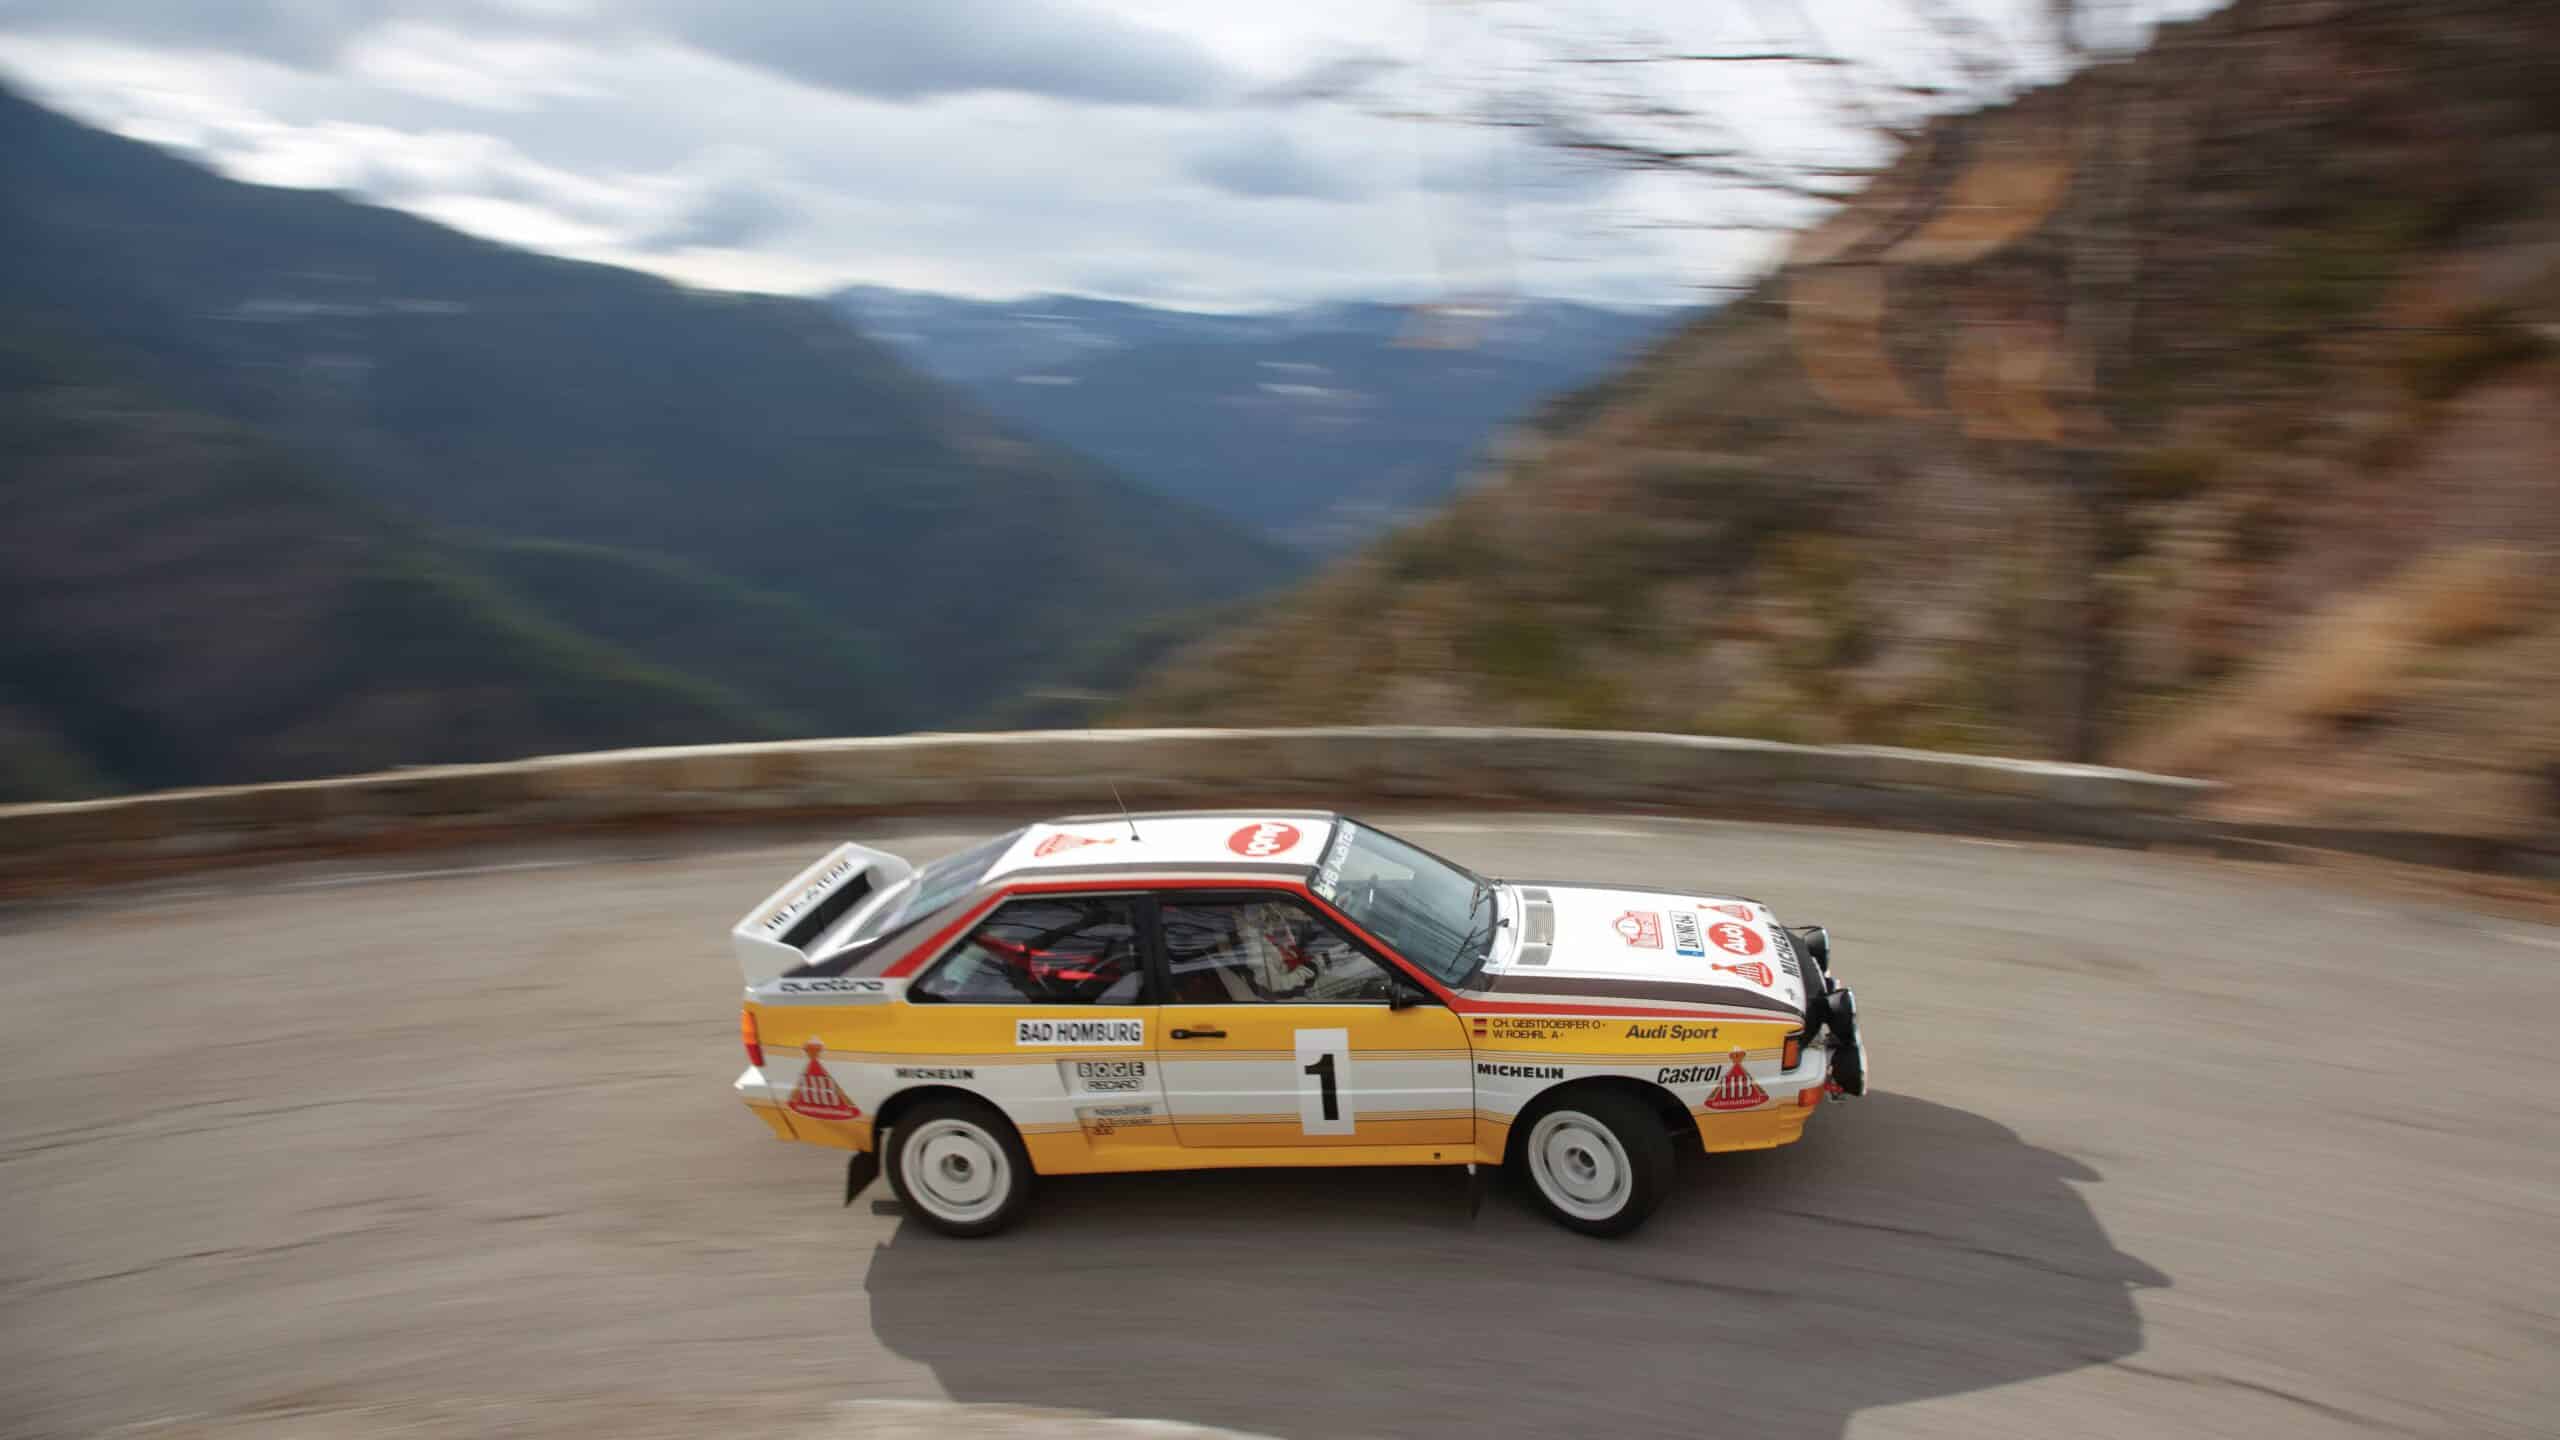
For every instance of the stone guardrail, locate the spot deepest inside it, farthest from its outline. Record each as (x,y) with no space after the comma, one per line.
(1031,772)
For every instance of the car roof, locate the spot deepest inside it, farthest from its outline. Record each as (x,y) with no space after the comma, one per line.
(1269,842)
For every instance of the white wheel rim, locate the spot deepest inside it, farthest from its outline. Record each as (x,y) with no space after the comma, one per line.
(1579,1166)
(955,1170)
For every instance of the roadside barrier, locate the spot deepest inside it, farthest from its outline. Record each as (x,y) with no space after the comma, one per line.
(1031,772)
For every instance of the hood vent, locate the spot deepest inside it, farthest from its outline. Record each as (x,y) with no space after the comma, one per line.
(1537,927)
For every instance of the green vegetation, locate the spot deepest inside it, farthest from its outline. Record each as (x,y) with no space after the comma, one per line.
(732,637)
(2477,346)
(182,602)
(299,485)
(2169,473)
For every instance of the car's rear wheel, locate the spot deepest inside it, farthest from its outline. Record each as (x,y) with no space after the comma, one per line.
(1599,1161)
(958,1166)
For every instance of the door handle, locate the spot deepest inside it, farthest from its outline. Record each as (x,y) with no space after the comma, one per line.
(1180,1034)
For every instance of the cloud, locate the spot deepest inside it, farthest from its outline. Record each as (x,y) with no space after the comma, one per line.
(1271,165)
(915,49)
(1335,77)
(729,212)
(306,33)
(485,72)
(603,132)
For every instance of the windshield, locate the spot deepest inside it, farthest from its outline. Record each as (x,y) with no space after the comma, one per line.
(1431,912)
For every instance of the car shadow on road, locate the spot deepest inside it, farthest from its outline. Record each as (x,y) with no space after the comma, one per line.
(1904,1250)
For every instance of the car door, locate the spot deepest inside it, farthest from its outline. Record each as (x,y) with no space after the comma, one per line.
(1279,1030)
(1046,1007)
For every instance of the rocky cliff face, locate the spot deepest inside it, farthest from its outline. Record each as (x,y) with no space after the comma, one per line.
(2202,412)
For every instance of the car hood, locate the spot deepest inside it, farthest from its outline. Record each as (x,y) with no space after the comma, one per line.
(1595,944)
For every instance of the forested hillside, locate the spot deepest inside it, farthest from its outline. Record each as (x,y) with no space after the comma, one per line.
(182,600)
(462,501)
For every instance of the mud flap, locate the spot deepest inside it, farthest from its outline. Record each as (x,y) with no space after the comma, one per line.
(860,1169)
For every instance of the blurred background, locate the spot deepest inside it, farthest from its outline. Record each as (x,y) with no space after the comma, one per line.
(390,383)
(393,382)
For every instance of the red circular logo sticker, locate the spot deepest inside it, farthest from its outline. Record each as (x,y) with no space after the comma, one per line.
(1735,939)
(1260,841)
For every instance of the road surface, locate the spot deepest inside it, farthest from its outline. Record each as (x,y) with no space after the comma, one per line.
(2163,1146)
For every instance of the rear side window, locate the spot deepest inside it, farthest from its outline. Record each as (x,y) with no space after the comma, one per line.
(931,888)
(1054,950)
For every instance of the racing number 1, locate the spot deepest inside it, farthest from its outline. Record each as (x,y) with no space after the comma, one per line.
(1323,1071)
(1324,1097)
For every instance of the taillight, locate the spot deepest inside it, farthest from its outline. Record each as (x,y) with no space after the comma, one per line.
(1791,1052)
(747,1034)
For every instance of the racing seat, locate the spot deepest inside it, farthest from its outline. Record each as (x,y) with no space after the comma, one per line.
(1257,962)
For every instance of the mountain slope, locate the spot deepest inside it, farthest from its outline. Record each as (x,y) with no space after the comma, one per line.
(182,602)
(1320,426)
(804,666)
(2302,534)
(487,391)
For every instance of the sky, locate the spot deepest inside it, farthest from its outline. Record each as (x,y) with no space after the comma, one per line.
(1184,152)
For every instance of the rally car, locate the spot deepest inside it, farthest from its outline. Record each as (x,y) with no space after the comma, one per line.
(1183,991)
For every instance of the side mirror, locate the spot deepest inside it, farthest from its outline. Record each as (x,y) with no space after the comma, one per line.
(1403,994)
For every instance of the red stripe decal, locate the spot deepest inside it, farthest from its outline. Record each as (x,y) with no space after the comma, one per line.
(1486,1007)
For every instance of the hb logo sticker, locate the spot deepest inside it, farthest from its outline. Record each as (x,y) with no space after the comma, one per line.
(1735,939)
(1262,840)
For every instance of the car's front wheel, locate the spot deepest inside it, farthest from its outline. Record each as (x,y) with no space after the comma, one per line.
(1599,1161)
(959,1167)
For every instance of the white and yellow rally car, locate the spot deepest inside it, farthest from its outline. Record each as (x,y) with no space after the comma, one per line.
(1185,991)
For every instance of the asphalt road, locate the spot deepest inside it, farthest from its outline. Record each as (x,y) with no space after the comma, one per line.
(2163,1147)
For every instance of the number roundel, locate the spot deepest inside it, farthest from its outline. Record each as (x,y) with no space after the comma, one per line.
(1262,839)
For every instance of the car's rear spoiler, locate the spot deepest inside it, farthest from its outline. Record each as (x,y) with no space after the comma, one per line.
(776,935)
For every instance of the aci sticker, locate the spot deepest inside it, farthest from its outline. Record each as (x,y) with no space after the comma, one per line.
(1739,1091)
(1735,939)
(1684,933)
(1738,912)
(1060,844)
(1751,970)
(1641,928)
(817,1095)
(1260,841)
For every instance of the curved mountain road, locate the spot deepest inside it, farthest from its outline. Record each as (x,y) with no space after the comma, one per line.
(2163,1146)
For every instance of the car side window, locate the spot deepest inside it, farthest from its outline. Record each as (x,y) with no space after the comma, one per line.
(1256,951)
(1054,950)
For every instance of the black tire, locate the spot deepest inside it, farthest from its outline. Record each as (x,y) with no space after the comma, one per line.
(1597,1160)
(958,1166)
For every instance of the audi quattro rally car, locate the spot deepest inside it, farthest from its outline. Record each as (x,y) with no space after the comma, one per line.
(1182,991)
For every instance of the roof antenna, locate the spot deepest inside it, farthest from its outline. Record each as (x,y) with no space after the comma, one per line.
(1124,813)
